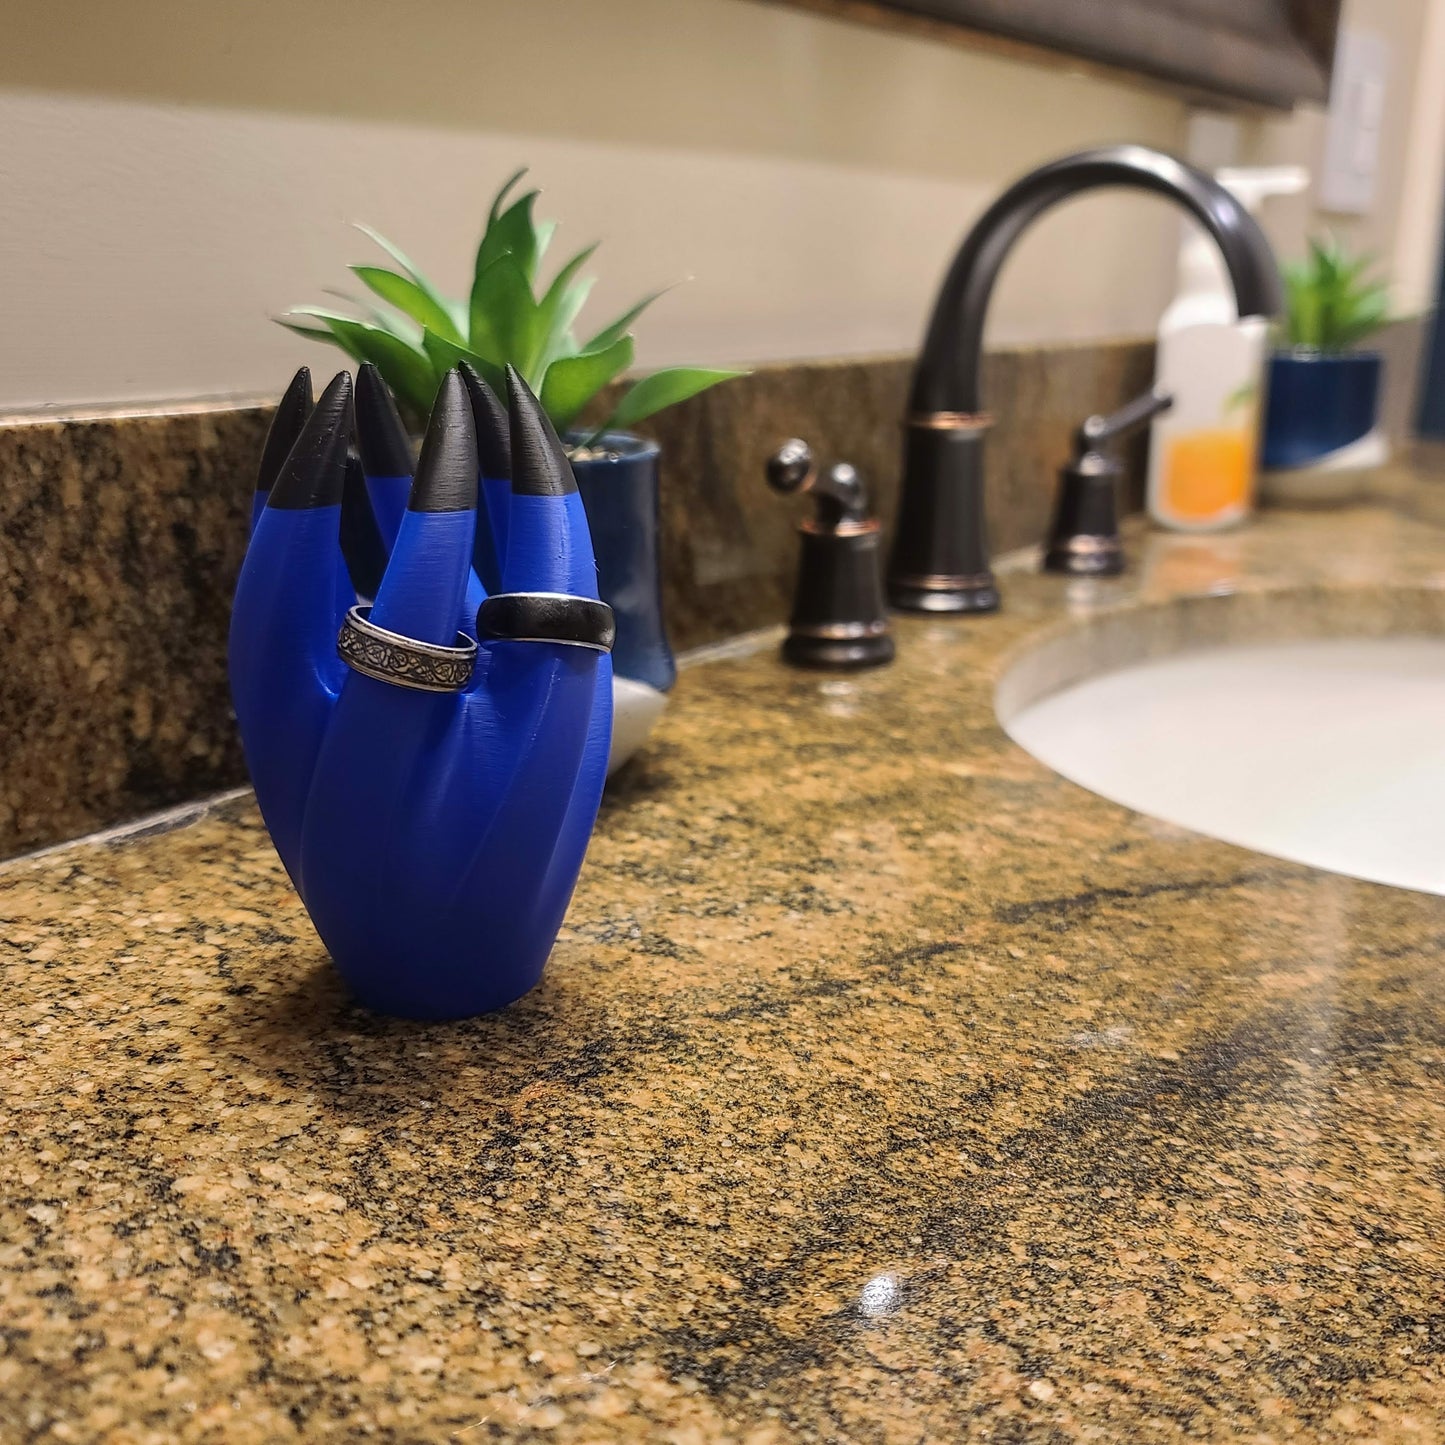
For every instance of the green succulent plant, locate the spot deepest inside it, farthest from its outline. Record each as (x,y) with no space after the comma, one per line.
(418,334)
(1331,304)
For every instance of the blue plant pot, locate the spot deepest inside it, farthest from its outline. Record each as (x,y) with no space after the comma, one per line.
(1318,403)
(619,487)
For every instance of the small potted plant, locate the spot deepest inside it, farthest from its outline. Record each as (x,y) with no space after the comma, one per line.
(1324,391)
(417,333)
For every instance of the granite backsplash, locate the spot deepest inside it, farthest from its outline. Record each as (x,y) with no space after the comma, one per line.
(121,536)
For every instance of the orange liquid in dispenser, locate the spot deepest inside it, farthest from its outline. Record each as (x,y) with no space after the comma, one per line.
(1209,474)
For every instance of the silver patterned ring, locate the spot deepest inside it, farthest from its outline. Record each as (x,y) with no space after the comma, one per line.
(404,661)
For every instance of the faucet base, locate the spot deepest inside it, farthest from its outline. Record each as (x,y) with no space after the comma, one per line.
(938,593)
(1085,556)
(939,562)
(839,619)
(871,649)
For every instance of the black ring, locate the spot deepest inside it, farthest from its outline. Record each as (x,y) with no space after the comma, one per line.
(548,617)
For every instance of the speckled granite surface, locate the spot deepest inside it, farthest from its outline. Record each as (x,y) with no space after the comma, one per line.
(883,1087)
(121,537)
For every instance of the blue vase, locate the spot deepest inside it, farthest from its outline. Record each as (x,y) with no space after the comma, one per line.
(619,486)
(1318,403)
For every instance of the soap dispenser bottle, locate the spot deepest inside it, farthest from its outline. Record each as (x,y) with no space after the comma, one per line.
(1203,453)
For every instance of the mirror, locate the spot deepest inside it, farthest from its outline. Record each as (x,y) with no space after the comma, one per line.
(1241,53)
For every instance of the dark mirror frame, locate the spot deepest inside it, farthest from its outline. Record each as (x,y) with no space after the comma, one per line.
(1235,53)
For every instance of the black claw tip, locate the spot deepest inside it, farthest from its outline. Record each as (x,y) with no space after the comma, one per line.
(361,542)
(314,473)
(380,437)
(539,464)
(291,413)
(494,443)
(446,475)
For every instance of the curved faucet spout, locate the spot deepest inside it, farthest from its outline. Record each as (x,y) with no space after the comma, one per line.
(940,553)
(948,370)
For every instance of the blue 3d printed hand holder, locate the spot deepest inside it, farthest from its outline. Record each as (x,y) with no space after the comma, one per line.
(428,747)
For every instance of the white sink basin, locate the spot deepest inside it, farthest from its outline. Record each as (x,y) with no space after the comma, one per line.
(1328,753)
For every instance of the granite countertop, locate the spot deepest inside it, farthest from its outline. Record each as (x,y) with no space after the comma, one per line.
(883,1086)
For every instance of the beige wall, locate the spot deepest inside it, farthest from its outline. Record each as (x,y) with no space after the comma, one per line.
(174,173)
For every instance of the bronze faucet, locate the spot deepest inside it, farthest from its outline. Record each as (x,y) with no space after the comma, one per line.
(940,558)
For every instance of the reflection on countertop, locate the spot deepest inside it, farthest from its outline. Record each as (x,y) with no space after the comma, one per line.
(883,1086)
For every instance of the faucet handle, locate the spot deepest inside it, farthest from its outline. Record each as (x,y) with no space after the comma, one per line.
(790,466)
(1083,539)
(840,492)
(838,617)
(1097,431)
